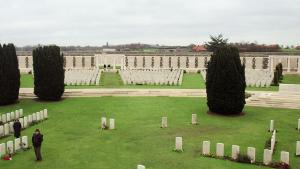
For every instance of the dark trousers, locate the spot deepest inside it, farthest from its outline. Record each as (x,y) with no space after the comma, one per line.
(38,155)
(17,134)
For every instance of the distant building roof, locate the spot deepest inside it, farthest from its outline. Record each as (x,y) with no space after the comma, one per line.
(199,48)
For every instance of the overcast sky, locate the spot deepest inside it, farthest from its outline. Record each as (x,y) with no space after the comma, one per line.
(169,22)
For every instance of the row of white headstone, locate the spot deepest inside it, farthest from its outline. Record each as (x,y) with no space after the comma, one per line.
(152,77)
(82,76)
(7,117)
(26,121)
(13,146)
(104,123)
(251,153)
(254,77)
(164,121)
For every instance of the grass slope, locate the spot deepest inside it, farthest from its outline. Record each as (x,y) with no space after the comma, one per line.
(73,139)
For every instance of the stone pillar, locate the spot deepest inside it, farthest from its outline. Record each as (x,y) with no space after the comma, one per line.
(178,143)
(285,157)
(206,148)
(164,122)
(267,157)
(220,150)
(298,148)
(251,154)
(288,64)
(235,151)
(271,126)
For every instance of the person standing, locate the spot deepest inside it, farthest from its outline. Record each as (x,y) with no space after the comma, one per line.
(37,139)
(17,128)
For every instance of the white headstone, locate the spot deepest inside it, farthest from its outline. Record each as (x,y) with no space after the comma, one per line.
(2,149)
(271,126)
(1,130)
(10,147)
(251,154)
(25,142)
(164,122)
(103,122)
(11,127)
(12,115)
(21,120)
(38,116)
(17,144)
(21,112)
(298,124)
(298,148)
(29,119)
(45,113)
(206,148)
(3,118)
(17,114)
(285,157)
(25,122)
(235,151)
(141,167)
(194,118)
(178,143)
(111,124)
(8,117)
(267,156)
(34,117)
(42,114)
(220,150)
(6,129)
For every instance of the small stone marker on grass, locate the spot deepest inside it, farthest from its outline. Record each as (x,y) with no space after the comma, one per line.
(285,157)
(141,167)
(267,156)
(111,124)
(164,122)
(206,148)
(251,154)
(235,151)
(178,144)
(194,119)
(220,150)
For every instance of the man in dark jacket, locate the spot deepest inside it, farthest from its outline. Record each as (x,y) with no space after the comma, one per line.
(37,139)
(17,128)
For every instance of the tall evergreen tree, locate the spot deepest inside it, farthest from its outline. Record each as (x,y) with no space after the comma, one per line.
(9,75)
(48,72)
(225,81)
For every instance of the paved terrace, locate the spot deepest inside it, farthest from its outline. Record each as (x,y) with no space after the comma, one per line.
(282,99)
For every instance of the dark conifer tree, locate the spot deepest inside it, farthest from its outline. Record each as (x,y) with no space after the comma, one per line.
(48,73)
(9,75)
(225,81)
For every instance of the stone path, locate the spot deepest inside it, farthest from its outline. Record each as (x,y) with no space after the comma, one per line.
(259,98)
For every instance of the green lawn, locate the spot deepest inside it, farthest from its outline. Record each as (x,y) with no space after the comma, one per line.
(26,81)
(72,139)
(291,79)
(113,80)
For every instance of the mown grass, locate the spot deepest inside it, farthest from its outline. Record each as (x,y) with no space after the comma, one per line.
(291,79)
(73,140)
